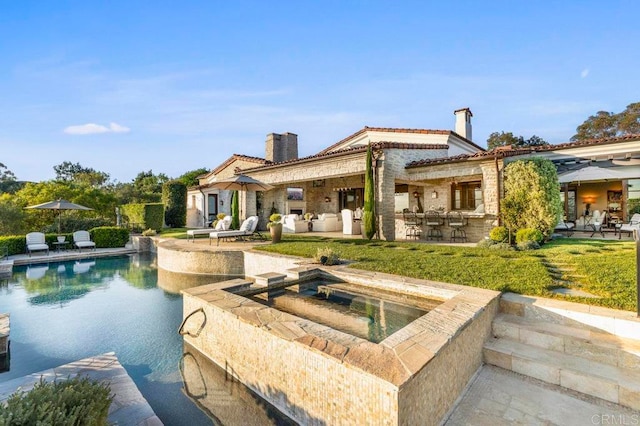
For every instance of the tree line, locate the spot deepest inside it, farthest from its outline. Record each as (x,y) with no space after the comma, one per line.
(80,185)
(603,124)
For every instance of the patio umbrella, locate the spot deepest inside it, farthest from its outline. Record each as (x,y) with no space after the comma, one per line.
(241,183)
(59,205)
(590,173)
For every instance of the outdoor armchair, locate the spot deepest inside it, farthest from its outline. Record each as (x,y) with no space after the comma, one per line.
(291,224)
(36,242)
(633,225)
(82,239)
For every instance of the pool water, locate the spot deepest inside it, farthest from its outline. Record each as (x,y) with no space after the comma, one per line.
(347,308)
(62,312)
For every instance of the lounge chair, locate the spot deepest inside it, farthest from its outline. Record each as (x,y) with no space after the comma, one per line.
(633,225)
(565,227)
(248,228)
(36,242)
(222,225)
(82,239)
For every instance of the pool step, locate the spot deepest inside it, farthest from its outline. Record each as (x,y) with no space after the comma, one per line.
(588,349)
(589,344)
(617,385)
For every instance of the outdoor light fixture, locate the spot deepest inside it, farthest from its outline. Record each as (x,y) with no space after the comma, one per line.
(416,194)
(434,194)
(327,199)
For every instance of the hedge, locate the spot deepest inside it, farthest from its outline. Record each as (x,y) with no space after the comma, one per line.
(174,197)
(146,216)
(109,236)
(104,237)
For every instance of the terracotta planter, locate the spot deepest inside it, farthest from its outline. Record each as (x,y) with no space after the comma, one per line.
(276,232)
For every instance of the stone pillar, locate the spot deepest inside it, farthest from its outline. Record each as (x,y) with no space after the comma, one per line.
(385,204)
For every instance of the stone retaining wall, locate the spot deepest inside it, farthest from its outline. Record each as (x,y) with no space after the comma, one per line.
(174,256)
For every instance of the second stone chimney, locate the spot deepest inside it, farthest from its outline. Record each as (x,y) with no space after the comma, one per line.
(463,122)
(281,147)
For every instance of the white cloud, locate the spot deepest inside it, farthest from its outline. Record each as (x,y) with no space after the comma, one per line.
(584,73)
(92,129)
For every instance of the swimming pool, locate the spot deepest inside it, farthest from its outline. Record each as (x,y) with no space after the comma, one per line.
(62,312)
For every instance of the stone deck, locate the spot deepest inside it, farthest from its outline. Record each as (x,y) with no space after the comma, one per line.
(128,407)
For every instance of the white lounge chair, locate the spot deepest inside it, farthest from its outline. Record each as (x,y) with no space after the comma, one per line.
(633,225)
(222,225)
(248,228)
(36,272)
(36,242)
(82,239)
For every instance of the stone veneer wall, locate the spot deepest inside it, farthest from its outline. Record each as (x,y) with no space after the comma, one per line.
(175,257)
(321,376)
(448,373)
(256,262)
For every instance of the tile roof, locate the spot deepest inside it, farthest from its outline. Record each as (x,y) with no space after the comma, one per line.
(353,150)
(503,152)
(396,130)
(235,157)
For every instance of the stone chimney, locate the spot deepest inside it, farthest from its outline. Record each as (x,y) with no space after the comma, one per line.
(281,147)
(463,122)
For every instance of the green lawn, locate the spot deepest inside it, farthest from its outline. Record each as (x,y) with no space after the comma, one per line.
(603,268)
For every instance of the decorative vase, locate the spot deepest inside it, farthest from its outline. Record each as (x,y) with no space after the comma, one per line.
(61,238)
(276,232)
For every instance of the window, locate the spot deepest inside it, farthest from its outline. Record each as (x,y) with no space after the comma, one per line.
(401,198)
(466,195)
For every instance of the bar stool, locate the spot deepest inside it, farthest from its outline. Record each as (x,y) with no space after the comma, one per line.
(433,220)
(412,223)
(457,223)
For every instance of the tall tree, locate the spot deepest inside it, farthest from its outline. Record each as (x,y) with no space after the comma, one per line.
(8,182)
(497,139)
(606,124)
(368,214)
(190,178)
(235,210)
(75,172)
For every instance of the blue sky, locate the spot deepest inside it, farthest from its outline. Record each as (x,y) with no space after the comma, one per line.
(127,86)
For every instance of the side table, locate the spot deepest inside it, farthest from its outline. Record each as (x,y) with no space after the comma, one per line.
(60,246)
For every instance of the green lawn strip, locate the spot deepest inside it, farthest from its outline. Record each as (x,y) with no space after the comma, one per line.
(180,233)
(608,267)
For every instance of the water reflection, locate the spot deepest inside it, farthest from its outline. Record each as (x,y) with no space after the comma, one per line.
(224,399)
(60,283)
(174,282)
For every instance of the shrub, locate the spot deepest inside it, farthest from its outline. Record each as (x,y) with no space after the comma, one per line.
(327,256)
(532,197)
(70,223)
(274,219)
(149,232)
(109,236)
(174,197)
(221,216)
(501,246)
(499,234)
(16,244)
(144,215)
(487,242)
(77,401)
(528,245)
(529,234)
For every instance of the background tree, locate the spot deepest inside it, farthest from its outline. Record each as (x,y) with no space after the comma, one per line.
(368,214)
(75,172)
(532,197)
(174,197)
(8,182)
(497,139)
(606,124)
(11,216)
(189,178)
(146,187)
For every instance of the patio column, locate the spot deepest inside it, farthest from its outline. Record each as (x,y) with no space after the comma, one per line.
(385,204)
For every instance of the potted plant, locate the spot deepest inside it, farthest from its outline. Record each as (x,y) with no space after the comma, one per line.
(308,217)
(275,227)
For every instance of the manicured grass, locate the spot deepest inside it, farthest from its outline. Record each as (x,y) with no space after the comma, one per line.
(603,268)
(180,233)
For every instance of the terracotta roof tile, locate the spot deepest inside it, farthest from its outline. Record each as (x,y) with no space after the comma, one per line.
(503,152)
(239,157)
(397,130)
(347,151)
